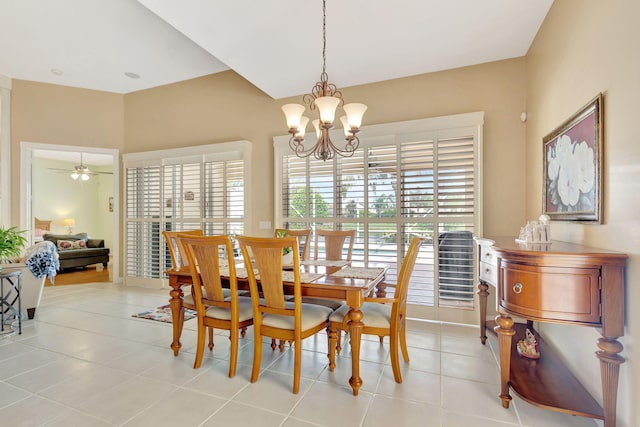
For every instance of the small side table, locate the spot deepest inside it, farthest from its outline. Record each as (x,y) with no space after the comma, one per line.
(11,281)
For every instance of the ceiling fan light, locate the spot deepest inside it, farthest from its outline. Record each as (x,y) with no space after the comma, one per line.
(327,106)
(84,177)
(75,175)
(355,111)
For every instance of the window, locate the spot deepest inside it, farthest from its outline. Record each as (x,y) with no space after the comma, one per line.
(410,178)
(178,190)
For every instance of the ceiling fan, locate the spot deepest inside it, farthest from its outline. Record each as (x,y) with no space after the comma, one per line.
(81,171)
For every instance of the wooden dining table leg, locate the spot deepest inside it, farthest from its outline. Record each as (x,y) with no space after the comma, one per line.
(355,333)
(177,314)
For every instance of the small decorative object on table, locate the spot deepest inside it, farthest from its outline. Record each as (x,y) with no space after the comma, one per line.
(528,347)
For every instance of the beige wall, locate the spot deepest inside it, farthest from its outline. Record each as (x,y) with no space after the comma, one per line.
(586,47)
(225,107)
(61,115)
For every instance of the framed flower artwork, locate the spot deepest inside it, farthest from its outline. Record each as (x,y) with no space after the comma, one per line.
(572,167)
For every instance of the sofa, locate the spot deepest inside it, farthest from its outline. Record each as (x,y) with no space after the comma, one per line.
(78,250)
(32,287)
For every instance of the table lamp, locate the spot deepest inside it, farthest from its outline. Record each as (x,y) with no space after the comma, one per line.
(69,223)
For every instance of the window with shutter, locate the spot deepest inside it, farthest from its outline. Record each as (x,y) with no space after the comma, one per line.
(411,178)
(178,190)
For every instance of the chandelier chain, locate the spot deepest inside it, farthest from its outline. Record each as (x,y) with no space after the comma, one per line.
(324,37)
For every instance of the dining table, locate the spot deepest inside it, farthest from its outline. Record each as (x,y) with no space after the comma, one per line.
(334,280)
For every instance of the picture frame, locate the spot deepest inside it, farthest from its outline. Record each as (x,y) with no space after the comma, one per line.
(572,167)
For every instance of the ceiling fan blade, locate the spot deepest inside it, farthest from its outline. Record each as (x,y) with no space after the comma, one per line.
(60,170)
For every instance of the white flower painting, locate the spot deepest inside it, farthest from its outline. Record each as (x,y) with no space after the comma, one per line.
(572,167)
(571,174)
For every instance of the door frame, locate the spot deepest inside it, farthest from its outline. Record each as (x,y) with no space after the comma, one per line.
(26,188)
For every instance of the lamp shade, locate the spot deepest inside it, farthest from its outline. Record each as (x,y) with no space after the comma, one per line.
(69,222)
(355,111)
(327,106)
(293,113)
(316,125)
(345,125)
(302,128)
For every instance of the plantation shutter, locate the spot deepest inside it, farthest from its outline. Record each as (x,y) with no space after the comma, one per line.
(143,221)
(178,191)
(396,185)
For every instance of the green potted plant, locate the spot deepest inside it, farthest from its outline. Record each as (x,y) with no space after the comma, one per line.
(12,241)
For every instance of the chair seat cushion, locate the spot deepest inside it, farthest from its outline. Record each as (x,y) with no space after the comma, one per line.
(187,299)
(312,315)
(333,304)
(376,315)
(245,311)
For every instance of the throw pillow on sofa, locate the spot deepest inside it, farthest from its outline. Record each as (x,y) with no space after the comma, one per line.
(71,244)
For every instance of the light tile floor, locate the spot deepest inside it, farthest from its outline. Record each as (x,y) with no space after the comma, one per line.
(84,361)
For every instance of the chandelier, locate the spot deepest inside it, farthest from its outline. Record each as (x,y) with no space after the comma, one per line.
(326,98)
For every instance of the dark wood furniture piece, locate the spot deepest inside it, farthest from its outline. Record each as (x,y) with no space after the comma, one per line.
(351,290)
(555,282)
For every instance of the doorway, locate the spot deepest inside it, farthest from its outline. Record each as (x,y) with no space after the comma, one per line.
(48,188)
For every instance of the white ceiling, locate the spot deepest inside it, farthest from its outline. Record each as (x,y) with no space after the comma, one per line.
(274,44)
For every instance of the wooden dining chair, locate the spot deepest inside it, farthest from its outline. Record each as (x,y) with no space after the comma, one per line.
(382,316)
(179,260)
(176,250)
(304,239)
(214,309)
(334,242)
(273,315)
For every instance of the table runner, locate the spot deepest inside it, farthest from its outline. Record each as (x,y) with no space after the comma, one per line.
(287,276)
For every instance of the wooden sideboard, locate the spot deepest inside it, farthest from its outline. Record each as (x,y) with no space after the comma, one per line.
(554,282)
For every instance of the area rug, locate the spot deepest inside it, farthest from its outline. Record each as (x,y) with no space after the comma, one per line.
(163,314)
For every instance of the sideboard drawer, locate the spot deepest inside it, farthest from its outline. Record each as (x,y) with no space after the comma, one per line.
(488,256)
(488,273)
(552,293)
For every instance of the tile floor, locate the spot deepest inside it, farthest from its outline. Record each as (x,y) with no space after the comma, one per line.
(84,361)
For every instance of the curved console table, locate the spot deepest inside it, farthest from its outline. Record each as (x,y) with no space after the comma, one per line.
(562,283)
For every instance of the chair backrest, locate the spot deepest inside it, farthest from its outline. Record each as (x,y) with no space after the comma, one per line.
(304,239)
(204,260)
(176,250)
(267,259)
(402,285)
(334,241)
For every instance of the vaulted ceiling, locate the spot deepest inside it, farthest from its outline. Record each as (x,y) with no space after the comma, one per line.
(274,44)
